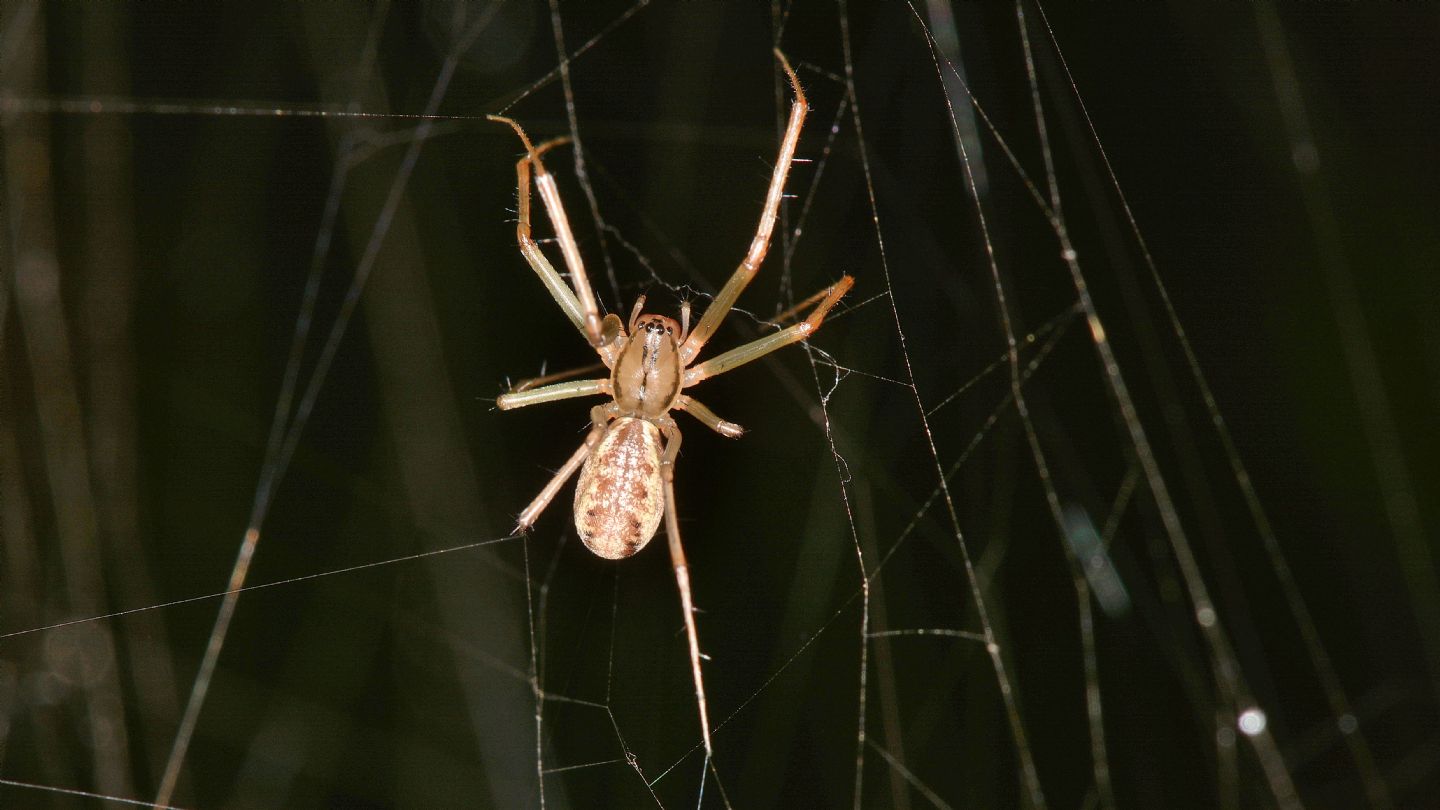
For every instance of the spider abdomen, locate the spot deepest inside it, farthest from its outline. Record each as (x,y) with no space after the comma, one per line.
(620,497)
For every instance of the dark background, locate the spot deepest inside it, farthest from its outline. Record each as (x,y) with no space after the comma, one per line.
(1280,160)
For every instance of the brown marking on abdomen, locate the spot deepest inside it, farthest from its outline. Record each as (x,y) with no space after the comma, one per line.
(620,499)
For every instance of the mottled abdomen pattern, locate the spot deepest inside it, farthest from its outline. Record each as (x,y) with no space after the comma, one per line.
(620,498)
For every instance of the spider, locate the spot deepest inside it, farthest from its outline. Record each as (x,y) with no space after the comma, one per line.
(627,461)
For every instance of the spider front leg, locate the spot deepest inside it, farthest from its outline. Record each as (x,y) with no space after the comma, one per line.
(579,305)
(682,572)
(725,299)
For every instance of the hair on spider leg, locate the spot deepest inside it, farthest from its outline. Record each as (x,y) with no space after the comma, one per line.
(696,609)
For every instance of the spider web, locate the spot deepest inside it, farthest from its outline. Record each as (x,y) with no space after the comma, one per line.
(1103,488)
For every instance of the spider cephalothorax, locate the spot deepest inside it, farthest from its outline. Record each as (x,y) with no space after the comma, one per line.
(627,462)
(647,373)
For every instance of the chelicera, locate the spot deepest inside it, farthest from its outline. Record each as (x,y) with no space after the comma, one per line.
(627,461)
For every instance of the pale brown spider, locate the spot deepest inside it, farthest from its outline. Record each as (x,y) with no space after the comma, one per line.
(627,482)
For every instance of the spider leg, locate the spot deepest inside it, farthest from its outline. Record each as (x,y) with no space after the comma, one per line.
(682,572)
(755,349)
(725,299)
(520,396)
(546,379)
(709,418)
(800,305)
(579,304)
(600,416)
